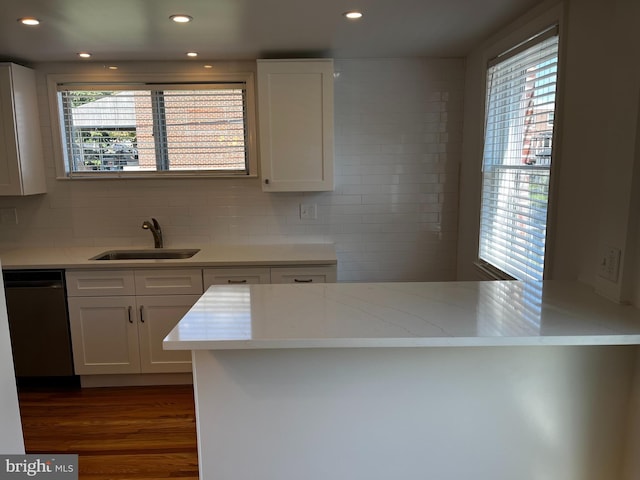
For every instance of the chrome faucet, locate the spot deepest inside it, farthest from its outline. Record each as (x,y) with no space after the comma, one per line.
(155,229)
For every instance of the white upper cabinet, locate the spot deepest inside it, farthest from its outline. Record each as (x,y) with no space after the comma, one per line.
(21,161)
(295,103)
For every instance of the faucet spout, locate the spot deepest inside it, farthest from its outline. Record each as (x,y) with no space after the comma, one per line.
(154,227)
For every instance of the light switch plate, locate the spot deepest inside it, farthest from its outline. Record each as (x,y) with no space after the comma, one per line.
(308,211)
(609,262)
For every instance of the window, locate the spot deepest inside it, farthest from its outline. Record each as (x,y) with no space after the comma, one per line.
(149,130)
(516,167)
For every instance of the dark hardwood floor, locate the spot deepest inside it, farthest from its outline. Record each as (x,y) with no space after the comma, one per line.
(118,433)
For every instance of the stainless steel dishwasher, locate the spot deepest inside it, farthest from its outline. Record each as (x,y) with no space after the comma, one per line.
(38,322)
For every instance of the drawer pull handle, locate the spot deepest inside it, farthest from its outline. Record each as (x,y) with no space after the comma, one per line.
(237,281)
(307,280)
(129,313)
(141,313)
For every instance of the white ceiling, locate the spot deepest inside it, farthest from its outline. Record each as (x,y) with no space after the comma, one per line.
(120,30)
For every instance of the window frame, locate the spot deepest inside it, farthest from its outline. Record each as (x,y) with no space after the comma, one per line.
(533,32)
(63,171)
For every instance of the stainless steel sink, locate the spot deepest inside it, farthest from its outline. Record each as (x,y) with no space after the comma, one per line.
(150,254)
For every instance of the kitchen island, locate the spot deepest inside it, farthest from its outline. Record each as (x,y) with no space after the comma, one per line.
(456,380)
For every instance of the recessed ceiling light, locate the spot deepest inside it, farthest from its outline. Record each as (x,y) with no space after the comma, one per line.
(207,66)
(84,54)
(181,18)
(31,21)
(353,15)
(112,67)
(192,54)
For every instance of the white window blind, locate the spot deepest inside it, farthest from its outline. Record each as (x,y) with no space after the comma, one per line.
(520,113)
(159,128)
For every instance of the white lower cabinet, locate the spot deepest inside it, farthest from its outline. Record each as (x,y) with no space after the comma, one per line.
(121,334)
(118,318)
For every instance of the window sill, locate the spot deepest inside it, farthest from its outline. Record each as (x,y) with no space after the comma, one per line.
(155,176)
(489,272)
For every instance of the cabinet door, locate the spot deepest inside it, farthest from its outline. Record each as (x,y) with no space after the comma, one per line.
(295,101)
(21,159)
(303,274)
(104,335)
(158,315)
(235,276)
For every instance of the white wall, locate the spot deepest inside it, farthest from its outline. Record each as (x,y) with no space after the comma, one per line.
(631,465)
(392,216)
(11,440)
(632,266)
(509,413)
(600,154)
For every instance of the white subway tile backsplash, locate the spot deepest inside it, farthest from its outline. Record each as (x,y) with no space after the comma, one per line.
(392,216)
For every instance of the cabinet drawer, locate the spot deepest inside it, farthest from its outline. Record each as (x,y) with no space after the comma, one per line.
(303,275)
(231,276)
(168,282)
(99,283)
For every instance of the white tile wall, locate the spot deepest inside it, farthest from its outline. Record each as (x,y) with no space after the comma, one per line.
(392,216)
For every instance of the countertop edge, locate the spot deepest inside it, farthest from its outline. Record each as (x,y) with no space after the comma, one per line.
(566,341)
(210,255)
(168,263)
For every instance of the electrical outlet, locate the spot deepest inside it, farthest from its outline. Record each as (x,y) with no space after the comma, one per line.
(308,211)
(609,263)
(8,216)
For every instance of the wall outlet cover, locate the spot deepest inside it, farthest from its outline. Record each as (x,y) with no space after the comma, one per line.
(609,262)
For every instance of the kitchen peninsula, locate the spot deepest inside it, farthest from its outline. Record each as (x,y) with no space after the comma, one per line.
(456,380)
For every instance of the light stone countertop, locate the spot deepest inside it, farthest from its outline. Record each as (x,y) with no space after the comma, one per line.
(208,256)
(508,313)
